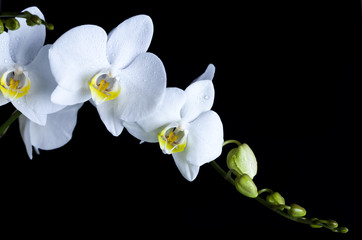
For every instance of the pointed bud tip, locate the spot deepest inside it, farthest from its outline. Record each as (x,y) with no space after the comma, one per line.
(242,160)
(245,185)
(296,211)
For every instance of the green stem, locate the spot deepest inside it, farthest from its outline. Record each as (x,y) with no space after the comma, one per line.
(277,208)
(12,15)
(6,125)
(231,141)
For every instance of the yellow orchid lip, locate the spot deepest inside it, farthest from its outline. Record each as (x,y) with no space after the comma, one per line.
(104,87)
(14,84)
(172,139)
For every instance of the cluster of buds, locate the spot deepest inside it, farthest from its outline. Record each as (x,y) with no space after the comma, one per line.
(242,163)
(297,213)
(9,21)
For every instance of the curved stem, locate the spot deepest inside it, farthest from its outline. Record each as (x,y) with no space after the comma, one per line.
(231,141)
(277,208)
(6,125)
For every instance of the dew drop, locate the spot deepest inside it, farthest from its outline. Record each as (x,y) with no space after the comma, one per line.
(206,97)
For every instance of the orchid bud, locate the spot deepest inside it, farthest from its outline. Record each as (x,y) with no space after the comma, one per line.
(245,185)
(12,24)
(296,211)
(35,19)
(275,199)
(1,27)
(242,160)
(49,26)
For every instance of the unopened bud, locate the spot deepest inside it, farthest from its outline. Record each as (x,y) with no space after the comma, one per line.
(242,160)
(49,26)
(35,19)
(332,224)
(296,211)
(1,27)
(245,185)
(275,199)
(12,24)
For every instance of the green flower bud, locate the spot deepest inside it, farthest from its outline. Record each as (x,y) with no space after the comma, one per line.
(296,211)
(332,224)
(245,185)
(1,27)
(343,230)
(242,160)
(49,26)
(315,226)
(30,23)
(35,19)
(275,199)
(12,24)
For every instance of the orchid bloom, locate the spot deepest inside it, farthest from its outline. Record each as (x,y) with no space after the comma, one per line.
(54,134)
(123,80)
(26,79)
(185,126)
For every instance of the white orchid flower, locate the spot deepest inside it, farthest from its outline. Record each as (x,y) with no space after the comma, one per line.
(26,79)
(185,126)
(123,80)
(54,134)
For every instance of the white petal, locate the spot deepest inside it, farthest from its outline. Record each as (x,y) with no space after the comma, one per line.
(26,41)
(24,108)
(25,134)
(143,85)
(199,96)
(42,84)
(78,55)
(168,111)
(57,131)
(208,74)
(138,132)
(128,39)
(188,171)
(110,119)
(3,100)
(205,139)
(65,97)
(5,58)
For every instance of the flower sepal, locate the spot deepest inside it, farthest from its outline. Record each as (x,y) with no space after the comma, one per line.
(245,185)
(241,160)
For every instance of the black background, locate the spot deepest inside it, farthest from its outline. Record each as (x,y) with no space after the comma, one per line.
(287,83)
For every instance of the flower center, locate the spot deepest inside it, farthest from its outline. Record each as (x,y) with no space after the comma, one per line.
(104,87)
(14,84)
(172,139)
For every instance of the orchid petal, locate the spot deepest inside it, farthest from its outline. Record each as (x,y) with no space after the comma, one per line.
(199,96)
(23,107)
(168,111)
(58,130)
(78,55)
(65,97)
(111,120)
(207,75)
(5,58)
(42,84)
(129,39)
(26,41)
(205,139)
(25,134)
(138,132)
(143,85)
(188,170)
